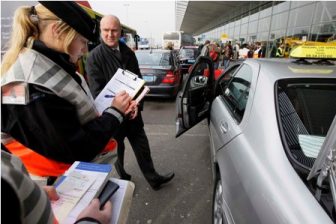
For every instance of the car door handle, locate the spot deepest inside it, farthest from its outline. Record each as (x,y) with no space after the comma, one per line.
(224,127)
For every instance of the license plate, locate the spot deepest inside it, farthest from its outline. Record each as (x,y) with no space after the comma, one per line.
(191,61)
(148,78)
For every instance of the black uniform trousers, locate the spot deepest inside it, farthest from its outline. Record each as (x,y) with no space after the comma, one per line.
(138,139)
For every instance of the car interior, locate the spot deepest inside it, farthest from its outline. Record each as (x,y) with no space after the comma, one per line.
(305,118)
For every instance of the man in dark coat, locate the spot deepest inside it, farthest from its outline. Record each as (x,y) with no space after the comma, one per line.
(102,63)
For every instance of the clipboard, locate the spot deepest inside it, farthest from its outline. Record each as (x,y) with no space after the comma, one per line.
(121,80)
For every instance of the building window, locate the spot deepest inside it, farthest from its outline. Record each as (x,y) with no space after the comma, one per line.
(323,32)
(254,16)
(262,36)
(281,7)
(264,24)
(265,12)
(301,16)
(295,4)
(243,29)
(325,12)
(279,21)
(299,32)
(253,26)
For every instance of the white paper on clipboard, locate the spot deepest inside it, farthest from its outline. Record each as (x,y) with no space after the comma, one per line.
(121,80)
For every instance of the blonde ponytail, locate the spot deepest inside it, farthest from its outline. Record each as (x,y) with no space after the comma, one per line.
(25,31)
(22,29)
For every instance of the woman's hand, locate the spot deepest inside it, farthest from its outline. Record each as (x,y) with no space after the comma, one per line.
(122,101)
(51,192)
(92,211)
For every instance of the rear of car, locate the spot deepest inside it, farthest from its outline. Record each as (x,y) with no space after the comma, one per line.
(160,70)
(272,135)
(187,57)
(283,113)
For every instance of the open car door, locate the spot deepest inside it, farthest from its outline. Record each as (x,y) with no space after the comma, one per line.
(193,102)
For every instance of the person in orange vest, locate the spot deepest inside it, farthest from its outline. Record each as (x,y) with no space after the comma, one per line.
(48,115)
(28,203)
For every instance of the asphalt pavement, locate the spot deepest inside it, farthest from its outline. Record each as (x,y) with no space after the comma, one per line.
(188,197)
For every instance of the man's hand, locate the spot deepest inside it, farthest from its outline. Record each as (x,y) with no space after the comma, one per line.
(122,101)
(92,210)
(132,110)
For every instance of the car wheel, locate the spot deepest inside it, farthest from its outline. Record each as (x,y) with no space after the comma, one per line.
(218,216)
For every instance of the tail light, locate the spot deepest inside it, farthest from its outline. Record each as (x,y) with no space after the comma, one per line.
(169,78)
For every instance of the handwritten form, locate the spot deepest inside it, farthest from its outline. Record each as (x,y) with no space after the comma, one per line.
(70,192)
(121,80)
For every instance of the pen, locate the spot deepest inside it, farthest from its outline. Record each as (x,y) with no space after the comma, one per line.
(109,96)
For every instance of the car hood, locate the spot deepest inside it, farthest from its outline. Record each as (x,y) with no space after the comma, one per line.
(326,158)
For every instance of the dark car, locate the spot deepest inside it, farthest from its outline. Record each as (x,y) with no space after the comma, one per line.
(187,56)
(160,70)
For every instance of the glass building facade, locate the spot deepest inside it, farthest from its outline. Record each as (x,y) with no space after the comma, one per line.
(302,20)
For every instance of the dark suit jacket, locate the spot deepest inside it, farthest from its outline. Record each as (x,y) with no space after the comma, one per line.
(101,65)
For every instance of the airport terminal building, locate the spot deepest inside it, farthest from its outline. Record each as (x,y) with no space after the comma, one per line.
(250,21)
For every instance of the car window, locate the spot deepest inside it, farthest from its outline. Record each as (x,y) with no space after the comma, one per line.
(224,79)
(237,92)
(306,108)
(154,58)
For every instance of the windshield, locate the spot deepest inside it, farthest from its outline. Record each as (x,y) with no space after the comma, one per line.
(307,109)
(187,53)
(143,41)
(153,59)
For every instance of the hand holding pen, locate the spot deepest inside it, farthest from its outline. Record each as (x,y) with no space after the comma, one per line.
(122,101)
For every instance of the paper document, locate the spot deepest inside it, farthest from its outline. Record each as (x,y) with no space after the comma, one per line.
(311,145)
(121,203)
(80,184)
(121,80)
(70,191)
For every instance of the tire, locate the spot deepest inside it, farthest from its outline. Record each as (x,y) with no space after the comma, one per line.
(218,215)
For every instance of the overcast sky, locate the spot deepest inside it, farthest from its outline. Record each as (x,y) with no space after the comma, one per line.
(148,18)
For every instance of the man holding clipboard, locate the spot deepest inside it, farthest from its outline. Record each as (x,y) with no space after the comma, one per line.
(102,63)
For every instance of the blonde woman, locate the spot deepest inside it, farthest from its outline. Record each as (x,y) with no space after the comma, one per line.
(48,116)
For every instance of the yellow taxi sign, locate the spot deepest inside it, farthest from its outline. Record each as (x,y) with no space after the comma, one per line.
(224,36)
(314,50)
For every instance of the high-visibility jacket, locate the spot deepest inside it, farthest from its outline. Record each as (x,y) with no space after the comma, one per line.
(34,203)
(34,68)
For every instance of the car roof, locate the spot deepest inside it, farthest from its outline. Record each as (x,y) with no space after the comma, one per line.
(154,51)
(189,47)
(287,68)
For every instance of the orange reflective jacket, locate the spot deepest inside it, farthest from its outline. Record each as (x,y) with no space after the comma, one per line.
(39,165)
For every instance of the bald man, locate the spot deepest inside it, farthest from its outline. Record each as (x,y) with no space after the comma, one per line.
(102,63)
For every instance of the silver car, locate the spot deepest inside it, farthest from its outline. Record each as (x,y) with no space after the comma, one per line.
(268,120)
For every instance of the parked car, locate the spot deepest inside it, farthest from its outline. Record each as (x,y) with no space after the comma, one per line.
(160,70)
(187,57)
(268,120)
